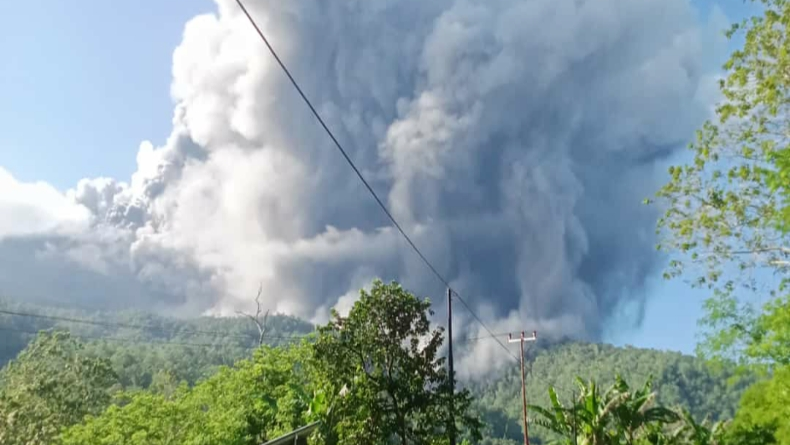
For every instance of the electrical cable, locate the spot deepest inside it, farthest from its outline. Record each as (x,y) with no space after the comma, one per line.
(356,170)
(469,309)
(136,327)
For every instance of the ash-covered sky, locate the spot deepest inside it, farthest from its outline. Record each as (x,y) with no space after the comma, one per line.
(515,140)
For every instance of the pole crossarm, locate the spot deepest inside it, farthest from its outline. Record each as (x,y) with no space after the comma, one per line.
(534,337)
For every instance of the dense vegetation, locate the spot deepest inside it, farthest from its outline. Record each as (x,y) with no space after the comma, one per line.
(146,390)
(138,345)
(679,380)
(381,361)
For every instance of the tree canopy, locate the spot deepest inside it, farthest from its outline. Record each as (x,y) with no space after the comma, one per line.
(374,373)
(728,211)
(676,379)
(727,218)
(250,403)
(51,385)
(385,359)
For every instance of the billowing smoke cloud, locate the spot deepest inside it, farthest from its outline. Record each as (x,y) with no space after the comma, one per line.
(514,139)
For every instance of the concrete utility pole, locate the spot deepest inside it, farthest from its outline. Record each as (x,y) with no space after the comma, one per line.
(522,340)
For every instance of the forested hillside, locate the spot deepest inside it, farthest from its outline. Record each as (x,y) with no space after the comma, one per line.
(146,351)
(139,344)
(678,380)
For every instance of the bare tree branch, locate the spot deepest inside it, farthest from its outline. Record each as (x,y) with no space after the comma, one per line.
(259,323)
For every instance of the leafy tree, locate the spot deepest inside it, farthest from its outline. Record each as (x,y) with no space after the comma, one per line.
(692,432)
(728,212)
(557,418)
(382,359)
(587,421)
(635,413)
(680,380)
(232,338)
(685,430)
(253,402)
(300,388)
(764,407)
(164,383)
(618,415)
(145,418)
(51,385)
(688,431)
(750,435)
(621,415)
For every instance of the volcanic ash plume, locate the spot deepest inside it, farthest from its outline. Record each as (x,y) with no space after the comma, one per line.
(514,140)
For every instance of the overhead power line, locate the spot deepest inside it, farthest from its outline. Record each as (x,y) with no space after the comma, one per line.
(342,150)
(144,328)
(154,329)
(494,336)
(125,340)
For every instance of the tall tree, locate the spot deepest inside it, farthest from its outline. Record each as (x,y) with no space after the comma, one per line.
(51,385)
(728,211)
(393,386)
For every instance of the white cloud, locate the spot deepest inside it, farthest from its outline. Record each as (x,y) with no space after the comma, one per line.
(31,208)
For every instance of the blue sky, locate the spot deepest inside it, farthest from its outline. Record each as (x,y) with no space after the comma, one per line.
(673,308)
(80,88)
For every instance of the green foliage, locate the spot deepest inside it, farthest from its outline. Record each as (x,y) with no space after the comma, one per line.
(623,416)
(145,419)
(766,406)
(51,385)
(373,376)
(698,433)
(728,211)
(352,376)
(198,347)
(727,220)
(256,400)
(634,413)
(679,380)
(614,416)
(383,358)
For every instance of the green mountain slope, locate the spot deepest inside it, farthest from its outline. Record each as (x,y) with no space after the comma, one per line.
(678,380)
(140,345)
(142,348)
